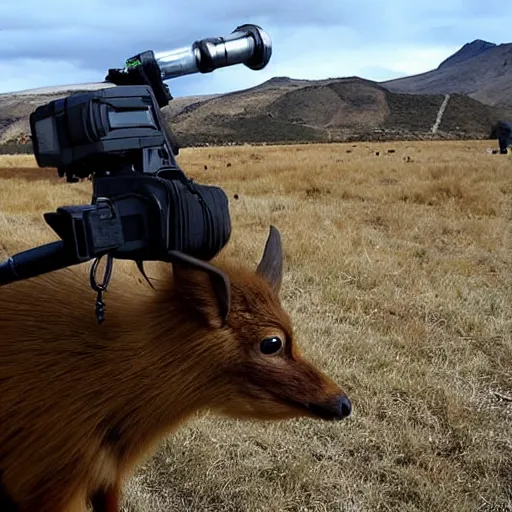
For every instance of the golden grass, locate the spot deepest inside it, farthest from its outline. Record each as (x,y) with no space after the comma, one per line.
(398,278)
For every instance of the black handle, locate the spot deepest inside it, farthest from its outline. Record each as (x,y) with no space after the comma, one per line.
(36,261)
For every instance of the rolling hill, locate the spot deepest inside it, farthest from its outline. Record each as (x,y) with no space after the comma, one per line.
(282,110)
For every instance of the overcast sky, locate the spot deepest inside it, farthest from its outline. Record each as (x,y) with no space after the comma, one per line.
(57,42)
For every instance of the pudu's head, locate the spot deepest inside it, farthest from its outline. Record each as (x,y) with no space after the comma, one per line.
(254,365)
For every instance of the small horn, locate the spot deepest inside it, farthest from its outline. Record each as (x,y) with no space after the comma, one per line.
(271,264)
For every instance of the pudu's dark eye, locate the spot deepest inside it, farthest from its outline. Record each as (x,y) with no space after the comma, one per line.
(271,346)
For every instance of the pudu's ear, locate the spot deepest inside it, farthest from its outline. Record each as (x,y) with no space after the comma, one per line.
(204,288)
(271,264)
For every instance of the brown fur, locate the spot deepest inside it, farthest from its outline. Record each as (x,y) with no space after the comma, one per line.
(82,405)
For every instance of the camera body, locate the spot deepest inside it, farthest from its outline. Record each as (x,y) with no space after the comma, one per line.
(83,131)
(143,205)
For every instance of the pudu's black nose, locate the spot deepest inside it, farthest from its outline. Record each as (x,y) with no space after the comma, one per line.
(345,406)
(336,409)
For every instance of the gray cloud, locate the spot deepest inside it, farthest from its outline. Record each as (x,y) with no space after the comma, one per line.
(57,42)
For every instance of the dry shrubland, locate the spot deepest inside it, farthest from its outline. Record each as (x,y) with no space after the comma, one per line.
(398,279)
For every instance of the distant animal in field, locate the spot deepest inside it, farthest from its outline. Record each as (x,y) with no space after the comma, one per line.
(83,405)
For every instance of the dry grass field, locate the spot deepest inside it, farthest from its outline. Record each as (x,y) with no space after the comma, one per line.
(399,282)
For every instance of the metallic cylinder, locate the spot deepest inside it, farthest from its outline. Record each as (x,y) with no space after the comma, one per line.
(248,44)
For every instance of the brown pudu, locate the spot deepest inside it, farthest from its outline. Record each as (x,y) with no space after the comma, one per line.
(82,405)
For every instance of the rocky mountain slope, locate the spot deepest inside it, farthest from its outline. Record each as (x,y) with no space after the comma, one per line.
(479,69)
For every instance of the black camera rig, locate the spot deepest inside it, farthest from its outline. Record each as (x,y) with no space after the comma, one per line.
(143,205)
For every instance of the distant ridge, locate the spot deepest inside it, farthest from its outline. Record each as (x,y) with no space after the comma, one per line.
(480,69)
(468,51)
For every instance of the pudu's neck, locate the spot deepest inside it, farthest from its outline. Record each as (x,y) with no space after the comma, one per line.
(164,367)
